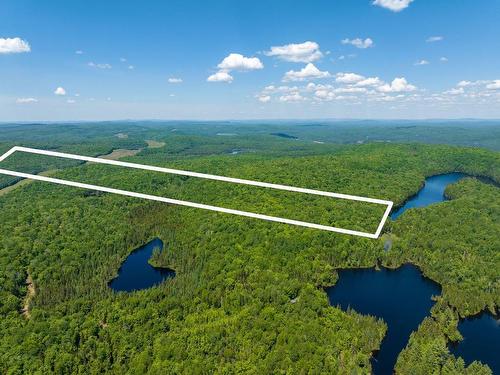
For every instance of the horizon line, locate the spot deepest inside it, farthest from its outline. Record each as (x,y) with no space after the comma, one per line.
(333,119)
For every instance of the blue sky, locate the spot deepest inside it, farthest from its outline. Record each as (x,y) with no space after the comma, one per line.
(96,60)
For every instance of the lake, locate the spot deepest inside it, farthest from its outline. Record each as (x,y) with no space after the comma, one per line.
(401,297)
(481,341)
(432,192)
(136,273)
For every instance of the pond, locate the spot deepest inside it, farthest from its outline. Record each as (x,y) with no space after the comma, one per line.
(136,273)
(432,192)
(284,135)
(481,341)
(401,297)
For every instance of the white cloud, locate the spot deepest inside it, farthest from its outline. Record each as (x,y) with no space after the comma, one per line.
(99,66)
(422,62)
(79,52)
(264,98)
(495,85)
(443,59)
(310,87)
(220,76)
(324,94)
(174,80)
(433,39)
(350,90)
(131,67)
(397,85)
(303,52)
(345,97)
(455,91)
(70,101)
(464,83)
(13,45)
(26,100)
(359,43)
(349,78)
(123,59)
(306,73)
(370,81)
(236,61)
(60,91)
(273,89)
(394,5)
(270,88)
(294,97)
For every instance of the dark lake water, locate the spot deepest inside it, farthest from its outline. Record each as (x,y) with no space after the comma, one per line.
(136,273)
(284,135)
(432,192)
(481,341)
(401,297)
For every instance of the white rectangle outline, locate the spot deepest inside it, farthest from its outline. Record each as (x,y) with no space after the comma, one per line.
(200,175)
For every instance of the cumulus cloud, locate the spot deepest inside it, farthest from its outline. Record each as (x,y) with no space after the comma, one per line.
(433,39)
(350,90)
(302,52)
(495,85)
(359,43)
(131,67)
(293,97)
(480,91)
(370,81)
(422,62)
(271,89)
(13,45)
(264,98)
(455,91)
(60,91)
(397,85)
(313,87)
(26,100)
(443,59)
(174,80)
(349,78)
(236,61)
(308,72)
(394,5)
(324,95)
(99,66)
(220,76)
(349,86)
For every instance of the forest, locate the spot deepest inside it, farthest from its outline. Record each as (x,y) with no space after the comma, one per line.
(248,296)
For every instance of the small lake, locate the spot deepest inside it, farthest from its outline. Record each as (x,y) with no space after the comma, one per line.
(481,341)
(136,273)
(432,192)
(284,135)
(401,297)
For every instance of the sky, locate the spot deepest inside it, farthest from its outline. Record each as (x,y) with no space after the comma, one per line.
(207,60)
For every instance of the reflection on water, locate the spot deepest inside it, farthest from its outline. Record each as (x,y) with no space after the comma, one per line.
(136,273)
(401,297)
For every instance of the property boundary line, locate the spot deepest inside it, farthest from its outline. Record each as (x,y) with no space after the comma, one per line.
(198,175)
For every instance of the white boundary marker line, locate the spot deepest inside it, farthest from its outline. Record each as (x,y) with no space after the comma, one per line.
(199,175)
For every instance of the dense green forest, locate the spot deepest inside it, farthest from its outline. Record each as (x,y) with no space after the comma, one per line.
(248,295)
